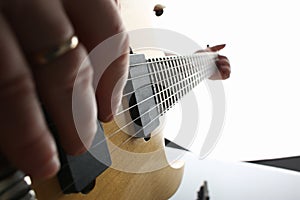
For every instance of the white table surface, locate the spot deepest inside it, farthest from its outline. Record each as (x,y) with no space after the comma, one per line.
(235,180)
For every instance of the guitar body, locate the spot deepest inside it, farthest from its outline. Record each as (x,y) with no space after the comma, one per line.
(140,169)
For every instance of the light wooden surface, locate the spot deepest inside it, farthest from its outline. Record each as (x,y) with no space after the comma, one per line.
(139,168)
(139,171)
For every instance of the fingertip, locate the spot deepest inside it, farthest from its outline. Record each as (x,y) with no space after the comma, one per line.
(221,46)
(217,47)
(47,171)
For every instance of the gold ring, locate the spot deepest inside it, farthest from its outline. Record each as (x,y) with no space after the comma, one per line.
(48,55)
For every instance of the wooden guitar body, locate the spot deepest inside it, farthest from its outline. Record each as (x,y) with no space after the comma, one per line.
(140,170)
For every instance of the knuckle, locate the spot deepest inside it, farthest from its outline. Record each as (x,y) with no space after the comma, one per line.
(41,145)
(61,75)
(17,86)
(84,77)
(83,73)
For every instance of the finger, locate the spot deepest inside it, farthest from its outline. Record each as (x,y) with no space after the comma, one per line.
(224,69)
(49,27)
(111,60)
(24,138)
(216,48)
(212,49)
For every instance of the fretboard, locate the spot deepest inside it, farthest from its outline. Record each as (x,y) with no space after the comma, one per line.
(174,76)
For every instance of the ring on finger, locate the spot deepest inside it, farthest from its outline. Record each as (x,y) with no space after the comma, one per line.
(48,55)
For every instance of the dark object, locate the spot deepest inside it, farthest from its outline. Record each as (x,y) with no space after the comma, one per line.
(171,144)
(203,192)
(143,108)
(78,173)
(158,9)
(291,163)
(15,186)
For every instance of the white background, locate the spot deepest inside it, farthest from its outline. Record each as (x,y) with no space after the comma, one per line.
(262,94)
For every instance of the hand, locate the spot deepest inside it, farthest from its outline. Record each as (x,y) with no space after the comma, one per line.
(28,27)
(222,63)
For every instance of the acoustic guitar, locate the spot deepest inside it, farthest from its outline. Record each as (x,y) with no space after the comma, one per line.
(127,159)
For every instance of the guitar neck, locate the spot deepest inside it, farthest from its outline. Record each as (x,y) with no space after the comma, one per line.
(174,76)
(155,85)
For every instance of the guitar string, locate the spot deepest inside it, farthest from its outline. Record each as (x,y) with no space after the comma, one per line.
(195,81)
(170,58)
(176,58)
(120,129)
(160,71)
(184,88)
(167,89)
(166,60)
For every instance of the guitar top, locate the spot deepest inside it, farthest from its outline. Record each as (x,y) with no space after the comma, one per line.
(127,159)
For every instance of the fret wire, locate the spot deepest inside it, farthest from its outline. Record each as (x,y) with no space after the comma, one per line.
(184,88)
(111,135)
(160,85)
(185,75)
(117,131)
(153,79)
(191,72)
(155,85)
(171,91)
(169,79)
(189,66)
(199,67)
(177,57)
(158,79)
(179,75)
(195,69)
(178,78)
(188,75)
(175,77)
(205,70)
(161,91)
(148,110)
(164,85)
(186,69)
(172,58)
(174,80)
